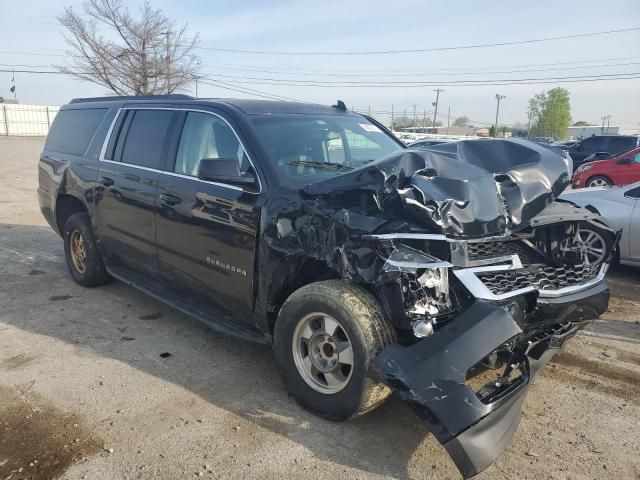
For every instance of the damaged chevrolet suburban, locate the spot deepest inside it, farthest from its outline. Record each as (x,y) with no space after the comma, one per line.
(449,275)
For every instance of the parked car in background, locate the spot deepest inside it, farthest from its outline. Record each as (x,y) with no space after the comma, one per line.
(564,145)
(619,208)
(601,144)
(621,169)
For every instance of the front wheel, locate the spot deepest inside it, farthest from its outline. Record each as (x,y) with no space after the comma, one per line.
(326,336)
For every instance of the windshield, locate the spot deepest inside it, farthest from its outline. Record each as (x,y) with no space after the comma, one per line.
(310,148)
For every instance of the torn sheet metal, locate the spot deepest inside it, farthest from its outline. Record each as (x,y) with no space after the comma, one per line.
(471,188)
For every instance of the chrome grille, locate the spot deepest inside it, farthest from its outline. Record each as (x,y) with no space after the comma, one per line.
(543,277)
(486,250)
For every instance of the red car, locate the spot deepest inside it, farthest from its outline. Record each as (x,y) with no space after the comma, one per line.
(622,169)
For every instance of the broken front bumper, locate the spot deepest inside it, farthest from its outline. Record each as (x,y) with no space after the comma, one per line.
(431,374)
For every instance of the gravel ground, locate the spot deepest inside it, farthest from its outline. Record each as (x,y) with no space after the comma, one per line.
(109,383)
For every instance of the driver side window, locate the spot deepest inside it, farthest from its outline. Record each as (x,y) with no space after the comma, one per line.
(206,136)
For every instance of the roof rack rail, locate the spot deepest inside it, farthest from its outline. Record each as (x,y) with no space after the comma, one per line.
(173,96)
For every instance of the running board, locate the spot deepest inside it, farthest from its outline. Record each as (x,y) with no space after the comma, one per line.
(225,326)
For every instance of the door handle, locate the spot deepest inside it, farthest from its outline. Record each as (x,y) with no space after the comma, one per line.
(106,181)
(170,199)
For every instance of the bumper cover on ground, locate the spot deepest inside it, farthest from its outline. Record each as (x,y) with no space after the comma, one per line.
(430,375)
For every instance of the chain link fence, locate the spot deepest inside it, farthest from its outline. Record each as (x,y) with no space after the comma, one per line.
(26,120)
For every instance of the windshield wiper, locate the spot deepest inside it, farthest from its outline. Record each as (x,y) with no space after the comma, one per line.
(322,165)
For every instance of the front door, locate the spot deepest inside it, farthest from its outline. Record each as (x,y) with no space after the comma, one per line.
(127,183)
(207,232)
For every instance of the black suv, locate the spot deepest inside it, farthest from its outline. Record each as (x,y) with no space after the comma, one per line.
(601,147)
(368,267)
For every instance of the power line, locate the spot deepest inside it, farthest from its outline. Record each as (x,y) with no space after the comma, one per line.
(434,72)
(276,82)
(422,50)
(417,83)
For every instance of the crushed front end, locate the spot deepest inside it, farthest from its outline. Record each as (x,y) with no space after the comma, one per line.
(482,272)
(486,315)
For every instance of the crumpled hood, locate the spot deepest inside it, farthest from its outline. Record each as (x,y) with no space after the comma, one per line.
(471,188)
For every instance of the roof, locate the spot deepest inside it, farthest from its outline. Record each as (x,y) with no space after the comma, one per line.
(245,105)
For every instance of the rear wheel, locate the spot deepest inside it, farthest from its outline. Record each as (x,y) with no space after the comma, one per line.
(326,336)
(81,252)
(599,181)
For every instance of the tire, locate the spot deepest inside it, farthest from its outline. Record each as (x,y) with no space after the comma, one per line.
(91,272)
(360,320)
(598,181)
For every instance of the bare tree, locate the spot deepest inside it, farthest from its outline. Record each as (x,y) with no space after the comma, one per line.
(145,56)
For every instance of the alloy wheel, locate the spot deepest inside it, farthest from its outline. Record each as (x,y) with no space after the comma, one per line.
(323,353)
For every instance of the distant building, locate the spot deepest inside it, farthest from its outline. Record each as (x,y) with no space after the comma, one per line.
(8,100)
(590,130)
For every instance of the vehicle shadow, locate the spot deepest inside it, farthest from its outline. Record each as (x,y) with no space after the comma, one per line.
(118,322)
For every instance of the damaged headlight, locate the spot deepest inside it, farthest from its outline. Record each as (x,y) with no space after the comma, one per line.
(425,286)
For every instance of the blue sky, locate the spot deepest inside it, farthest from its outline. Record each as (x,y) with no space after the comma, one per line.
(359,25)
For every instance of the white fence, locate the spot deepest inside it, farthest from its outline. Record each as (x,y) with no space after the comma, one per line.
(26,120)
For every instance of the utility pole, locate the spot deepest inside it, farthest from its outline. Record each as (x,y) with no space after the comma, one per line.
(608,119)
(498,98)
(529,126)
(196,79)
(424,120)
(448,119)
(608,123)
(168,65)
(415,119)
(435,104)
(392,118)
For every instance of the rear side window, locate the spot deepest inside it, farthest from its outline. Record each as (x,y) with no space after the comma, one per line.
(620,144)
(72,130)
(593,144)
(144,143)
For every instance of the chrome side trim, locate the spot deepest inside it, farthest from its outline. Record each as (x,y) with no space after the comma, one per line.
(173,174)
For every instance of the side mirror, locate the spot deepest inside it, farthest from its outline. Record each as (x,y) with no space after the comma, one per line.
(577,147)
(224,170)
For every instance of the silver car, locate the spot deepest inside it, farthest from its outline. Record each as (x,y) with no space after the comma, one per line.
(620,209)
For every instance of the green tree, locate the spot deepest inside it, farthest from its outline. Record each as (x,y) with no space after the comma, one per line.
(492,131)
(550,113)
(461,121)
(582,123)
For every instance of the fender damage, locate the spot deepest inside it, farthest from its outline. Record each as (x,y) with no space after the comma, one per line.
(475,264)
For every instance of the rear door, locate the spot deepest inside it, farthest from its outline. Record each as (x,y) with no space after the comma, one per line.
(207,231)
(127,184)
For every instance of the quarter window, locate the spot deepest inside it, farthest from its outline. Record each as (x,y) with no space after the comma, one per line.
(207,136)
(72,130)
(146,137)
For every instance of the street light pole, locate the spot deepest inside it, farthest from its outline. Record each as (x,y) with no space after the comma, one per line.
(498,98)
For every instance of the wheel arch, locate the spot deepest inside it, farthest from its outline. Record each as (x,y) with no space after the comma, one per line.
(308,271)
(67,205)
